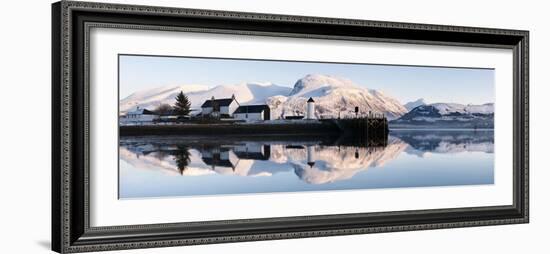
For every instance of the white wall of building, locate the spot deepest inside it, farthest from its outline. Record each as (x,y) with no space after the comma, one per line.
(138,118)
(223,109)
(231,108)
(207,110)
(225,155)
(249,116)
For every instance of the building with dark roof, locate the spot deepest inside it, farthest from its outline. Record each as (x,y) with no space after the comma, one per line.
(253,152)
(218,107)
(139,116)
(252,113)
(219,102)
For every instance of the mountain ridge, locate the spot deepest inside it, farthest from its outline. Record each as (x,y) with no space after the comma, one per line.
(449,115)
(334,96)
(413,104)
(246,92)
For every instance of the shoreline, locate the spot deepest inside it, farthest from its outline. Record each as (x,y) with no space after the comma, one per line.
(317,128)
(303,129)
(438,129)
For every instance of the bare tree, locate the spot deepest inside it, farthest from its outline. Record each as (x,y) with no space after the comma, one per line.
(163,108)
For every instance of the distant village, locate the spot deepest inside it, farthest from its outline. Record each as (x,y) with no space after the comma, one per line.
(224,109)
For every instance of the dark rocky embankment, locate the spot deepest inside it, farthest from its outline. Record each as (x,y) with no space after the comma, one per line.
(319,128)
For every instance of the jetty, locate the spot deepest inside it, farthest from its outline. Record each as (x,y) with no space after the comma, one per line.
(371,131)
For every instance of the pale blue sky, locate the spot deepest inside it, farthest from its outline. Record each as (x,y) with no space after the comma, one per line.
(405,83)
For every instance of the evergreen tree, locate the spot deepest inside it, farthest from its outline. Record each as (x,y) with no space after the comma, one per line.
(182,158)
(183,105)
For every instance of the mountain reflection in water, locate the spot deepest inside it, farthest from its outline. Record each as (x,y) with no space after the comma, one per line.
(187,165)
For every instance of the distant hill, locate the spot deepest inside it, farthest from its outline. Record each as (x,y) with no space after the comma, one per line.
(448,115)
(413,104)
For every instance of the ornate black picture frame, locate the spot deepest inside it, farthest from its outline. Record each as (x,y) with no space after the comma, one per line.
(71,231)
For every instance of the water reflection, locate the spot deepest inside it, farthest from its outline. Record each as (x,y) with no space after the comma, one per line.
(319,164)
(313,162)
(441,141)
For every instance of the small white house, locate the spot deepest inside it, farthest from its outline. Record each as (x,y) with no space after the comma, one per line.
(252,113)
(138,116)
(221,107)
(222,160)
(253,151)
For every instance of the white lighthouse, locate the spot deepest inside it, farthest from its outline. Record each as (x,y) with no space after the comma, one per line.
(310,156)
(310,109)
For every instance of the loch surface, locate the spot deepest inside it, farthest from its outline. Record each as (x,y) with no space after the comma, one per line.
(172,166)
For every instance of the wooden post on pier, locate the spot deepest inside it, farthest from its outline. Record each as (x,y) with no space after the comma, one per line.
(370,129)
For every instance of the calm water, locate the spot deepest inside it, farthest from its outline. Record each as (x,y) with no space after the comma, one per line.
(183,166)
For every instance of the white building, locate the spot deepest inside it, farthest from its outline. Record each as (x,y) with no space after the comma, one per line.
(220,107)
(310,109)
(139,116)
(221,159)
(252,113)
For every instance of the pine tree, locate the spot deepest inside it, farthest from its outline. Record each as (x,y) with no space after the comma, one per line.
(182,158)
(182,106)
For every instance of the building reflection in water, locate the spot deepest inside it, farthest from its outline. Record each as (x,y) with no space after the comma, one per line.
(313,161)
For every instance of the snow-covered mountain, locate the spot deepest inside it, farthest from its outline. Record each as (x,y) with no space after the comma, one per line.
(151,98)
(450,108)
(413,104)
(449,114)
(333,96)
(246,93)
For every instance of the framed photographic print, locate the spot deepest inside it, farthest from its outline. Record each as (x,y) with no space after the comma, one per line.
(181,126)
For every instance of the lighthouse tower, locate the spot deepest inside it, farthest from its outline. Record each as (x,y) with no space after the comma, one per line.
(310,109)
(310,156)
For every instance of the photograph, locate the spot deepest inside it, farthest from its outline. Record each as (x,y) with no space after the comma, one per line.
(191,126)
(219,126)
